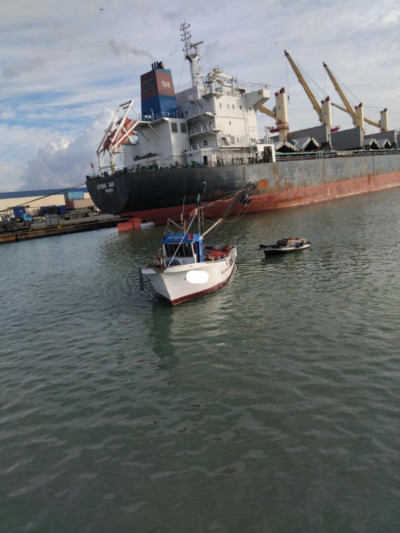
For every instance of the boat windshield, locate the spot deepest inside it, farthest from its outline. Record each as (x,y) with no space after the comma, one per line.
(179,250)
(183,253)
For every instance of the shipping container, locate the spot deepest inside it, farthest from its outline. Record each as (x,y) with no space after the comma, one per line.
(52,219)
(74,195)
(83,203)
(19,211)
(49,210)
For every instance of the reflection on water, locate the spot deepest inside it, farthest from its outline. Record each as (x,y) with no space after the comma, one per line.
(269,405)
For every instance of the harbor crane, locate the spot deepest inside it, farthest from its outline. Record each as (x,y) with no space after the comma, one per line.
(324,111)
(357,114)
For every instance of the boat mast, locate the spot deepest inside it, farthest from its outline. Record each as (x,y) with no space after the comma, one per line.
(192,56)
(200,215)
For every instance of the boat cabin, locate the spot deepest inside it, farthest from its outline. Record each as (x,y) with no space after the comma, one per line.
(183,248)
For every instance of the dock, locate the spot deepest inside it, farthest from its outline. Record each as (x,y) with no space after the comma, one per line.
(40,230)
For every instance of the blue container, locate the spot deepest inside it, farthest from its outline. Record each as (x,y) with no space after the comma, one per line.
(48,209)
(19,211)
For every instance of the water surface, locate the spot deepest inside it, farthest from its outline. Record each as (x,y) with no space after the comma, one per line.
(269,405)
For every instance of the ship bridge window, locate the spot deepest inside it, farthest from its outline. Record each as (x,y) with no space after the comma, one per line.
(183,127)
(174,127)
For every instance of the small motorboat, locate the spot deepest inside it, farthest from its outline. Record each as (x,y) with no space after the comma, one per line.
(289,244)
(146,224)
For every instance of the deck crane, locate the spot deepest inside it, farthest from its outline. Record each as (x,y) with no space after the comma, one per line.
(323,111)
(279,114)
(357,114)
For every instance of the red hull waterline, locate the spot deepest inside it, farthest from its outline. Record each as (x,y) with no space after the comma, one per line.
(267,201)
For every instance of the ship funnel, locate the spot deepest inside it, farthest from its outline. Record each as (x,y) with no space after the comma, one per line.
(158,93)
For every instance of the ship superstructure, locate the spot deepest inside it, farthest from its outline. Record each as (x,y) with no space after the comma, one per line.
(211,123)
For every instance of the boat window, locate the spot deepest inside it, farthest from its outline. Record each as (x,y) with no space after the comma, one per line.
(174,127)
(183,127)
(168,250)
(186,249)
(183,250)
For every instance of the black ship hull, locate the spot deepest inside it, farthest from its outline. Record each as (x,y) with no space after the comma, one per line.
(159,194)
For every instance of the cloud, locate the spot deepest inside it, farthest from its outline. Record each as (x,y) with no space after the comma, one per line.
(19,68)
(7,114)
(62,163)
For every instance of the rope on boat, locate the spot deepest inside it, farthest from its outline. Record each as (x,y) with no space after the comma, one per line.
(249,186)
(242,196)
(141,280)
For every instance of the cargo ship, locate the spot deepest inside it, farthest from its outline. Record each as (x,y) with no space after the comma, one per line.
(203,141)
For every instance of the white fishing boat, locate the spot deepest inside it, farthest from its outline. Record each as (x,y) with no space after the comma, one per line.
(185,267)
(286,245)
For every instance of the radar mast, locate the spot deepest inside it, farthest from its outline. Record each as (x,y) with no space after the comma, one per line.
(191,52)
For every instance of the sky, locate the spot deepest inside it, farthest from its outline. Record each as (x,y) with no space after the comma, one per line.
(65,66)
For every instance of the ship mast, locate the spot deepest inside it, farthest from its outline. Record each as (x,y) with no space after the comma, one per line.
(191,52)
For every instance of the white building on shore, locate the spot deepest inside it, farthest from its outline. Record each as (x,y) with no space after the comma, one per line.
(34,200)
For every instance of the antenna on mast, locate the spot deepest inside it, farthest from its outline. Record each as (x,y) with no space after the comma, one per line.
(191,52)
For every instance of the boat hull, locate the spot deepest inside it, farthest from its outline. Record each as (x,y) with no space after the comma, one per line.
(268,250)
(161,194)
(180,283)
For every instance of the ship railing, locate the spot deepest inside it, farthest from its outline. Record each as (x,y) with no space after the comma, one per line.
(159,116)
(206,145)
(224,143)
(235,141)
(223,140)
(202,129)
(156,163)
(199,112)
(237,158)
(222,155)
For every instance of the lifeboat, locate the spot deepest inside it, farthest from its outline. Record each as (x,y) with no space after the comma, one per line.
(123,135)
